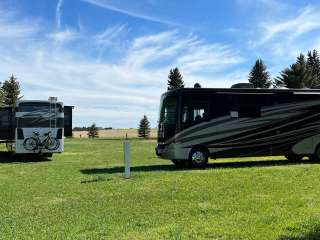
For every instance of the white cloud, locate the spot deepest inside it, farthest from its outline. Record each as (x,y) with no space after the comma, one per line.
(10,28)
(63,35)
(59,13)
(111,93)
(187,52)
(109,34)
(306,21)
(108,6)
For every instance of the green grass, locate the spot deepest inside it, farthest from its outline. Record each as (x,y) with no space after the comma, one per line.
(81,194)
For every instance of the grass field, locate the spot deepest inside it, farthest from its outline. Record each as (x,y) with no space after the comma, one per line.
(81,194)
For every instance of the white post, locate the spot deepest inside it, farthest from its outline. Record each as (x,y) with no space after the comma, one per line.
(126,149)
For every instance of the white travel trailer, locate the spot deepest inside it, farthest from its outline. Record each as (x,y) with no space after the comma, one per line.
(198,123)
(35,127)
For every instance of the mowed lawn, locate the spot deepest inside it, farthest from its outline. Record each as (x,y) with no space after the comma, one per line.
(81,194)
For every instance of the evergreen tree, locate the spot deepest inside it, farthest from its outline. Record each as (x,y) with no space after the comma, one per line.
(2,104)
(175,79)
(11,91)
(313,66)
(144,128)
(259,76)
(93,131)
(296,76)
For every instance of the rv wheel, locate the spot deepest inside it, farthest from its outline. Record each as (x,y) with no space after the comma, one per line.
(198,157)
(294,157)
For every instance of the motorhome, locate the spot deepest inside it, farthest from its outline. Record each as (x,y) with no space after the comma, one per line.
(200,123)
(35,127)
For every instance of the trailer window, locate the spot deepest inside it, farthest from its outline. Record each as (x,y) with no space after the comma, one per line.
(39,106)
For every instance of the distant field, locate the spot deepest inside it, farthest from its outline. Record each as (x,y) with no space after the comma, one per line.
(81,194)
(115,133)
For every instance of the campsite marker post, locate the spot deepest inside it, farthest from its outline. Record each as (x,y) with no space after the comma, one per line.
(126,150)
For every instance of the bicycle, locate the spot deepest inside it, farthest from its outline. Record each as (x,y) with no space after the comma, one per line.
(34,143)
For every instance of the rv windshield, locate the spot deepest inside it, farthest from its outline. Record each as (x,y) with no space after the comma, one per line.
(167,120)
(39,114)
(168,110)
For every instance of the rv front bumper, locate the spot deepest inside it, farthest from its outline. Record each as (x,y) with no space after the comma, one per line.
(159,149)
(166,151)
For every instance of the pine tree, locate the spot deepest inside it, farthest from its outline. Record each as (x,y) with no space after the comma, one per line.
(93,131)
(144,128)
(175,79)
(259,76)
(2,104)
(296,76)
(313,66)
(11,91)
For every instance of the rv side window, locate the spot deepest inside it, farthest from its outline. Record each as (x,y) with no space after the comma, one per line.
(194,113)
(246,106)
(249,111)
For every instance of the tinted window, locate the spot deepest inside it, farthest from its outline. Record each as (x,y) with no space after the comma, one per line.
(248,105)
(168,110)
(40,122)
(39,106)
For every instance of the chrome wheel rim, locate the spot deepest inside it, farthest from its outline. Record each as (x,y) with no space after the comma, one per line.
(198,157)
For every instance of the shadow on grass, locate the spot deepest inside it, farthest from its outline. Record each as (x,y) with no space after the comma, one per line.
(312,235)
(6,157)
(152,168)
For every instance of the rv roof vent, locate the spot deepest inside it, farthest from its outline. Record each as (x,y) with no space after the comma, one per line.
(242,85)
(197,85)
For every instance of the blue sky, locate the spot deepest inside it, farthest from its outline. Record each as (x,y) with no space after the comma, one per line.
(110,59)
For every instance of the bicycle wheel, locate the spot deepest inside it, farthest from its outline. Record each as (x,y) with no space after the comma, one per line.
(30,144)
(52,144)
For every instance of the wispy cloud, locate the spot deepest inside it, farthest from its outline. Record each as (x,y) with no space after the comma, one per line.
(307,20)
(105,91)
(63,35)
(59,13)
(108,6)
(10,28)
(281,37)
(186,51)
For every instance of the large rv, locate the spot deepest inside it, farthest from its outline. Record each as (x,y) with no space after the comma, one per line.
(198,123)
(35,127)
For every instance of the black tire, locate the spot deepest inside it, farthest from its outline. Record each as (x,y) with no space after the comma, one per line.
(180,163)
(294,157)
(47,155)
(52,144)
(30,144)
(316,155)
(198,157)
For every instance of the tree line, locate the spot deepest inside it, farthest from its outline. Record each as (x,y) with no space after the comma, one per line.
(304,73)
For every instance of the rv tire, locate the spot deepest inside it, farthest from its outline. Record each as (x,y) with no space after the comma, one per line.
(316,155)
(179,163)
(198,157)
